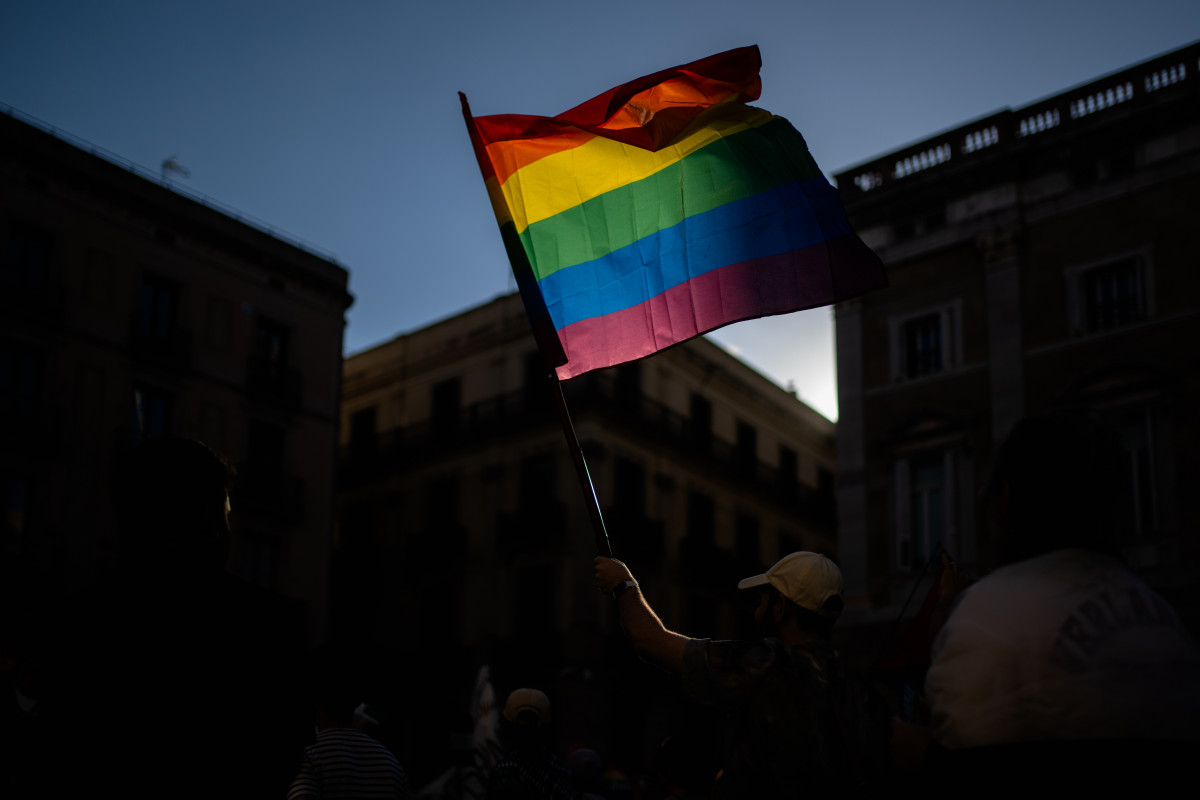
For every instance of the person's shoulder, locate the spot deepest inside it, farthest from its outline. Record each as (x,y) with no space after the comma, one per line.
(1016,581)
(350,736)
(744,662)
(1048,578)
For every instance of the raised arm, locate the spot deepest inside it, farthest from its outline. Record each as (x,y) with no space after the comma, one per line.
(646,633)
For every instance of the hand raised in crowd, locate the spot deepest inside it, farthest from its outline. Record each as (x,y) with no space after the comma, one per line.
(953,581)
(951,584)
(609,573)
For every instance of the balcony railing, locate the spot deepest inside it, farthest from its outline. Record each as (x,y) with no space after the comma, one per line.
(651,421)
(1134,87)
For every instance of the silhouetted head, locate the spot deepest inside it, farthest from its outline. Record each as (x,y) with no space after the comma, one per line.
(1056,482)
(526,718)
(171,498)
(802,588)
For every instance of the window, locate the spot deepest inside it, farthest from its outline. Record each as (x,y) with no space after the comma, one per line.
(1108,295)
(825,482)
(158,303)
(746,543)
(153,407)
(698,549)
(701,522)
(446,397)
(268,375)
(745,452)
(1138,505)
(539,516)
(362,435)
(701,423)
(1112,295)
(925,512)
(629,487)
(155,330)
(271,342)
(924,495)
(923,346)
(789,468)
(926,342)
(628,392)
(537,386)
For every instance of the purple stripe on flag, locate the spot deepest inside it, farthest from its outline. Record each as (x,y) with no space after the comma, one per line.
(815,276)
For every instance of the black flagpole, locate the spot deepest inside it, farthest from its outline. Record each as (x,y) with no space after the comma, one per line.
(543,330)
(581,471)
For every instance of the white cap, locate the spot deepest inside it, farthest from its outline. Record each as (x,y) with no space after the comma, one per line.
(528,708)
(807,579)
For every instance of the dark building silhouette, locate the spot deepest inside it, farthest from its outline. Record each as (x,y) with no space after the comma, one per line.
(1040,257)
(128,307)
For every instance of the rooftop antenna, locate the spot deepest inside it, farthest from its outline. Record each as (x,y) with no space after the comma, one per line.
(172,165)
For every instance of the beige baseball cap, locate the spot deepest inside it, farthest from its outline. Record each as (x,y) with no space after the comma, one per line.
(528,708)
(807,579)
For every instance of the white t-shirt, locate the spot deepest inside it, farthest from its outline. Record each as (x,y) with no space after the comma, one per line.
(1068,645)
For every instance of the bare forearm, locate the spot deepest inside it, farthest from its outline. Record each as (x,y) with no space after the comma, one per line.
(647,635)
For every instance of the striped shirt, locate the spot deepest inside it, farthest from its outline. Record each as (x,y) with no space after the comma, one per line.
(346,763)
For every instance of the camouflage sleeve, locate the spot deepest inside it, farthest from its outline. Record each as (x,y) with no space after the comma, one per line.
(721,672)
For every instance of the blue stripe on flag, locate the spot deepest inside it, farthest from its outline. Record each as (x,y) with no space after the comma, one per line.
(782,219)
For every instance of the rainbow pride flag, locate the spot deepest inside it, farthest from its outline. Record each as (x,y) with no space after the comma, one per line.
(663,209)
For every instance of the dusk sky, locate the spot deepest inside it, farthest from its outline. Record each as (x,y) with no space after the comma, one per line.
(339,123)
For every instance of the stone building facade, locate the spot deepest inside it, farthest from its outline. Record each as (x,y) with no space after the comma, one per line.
(130,308)
(1041,257)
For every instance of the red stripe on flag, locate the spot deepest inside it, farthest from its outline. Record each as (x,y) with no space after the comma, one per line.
(649,112)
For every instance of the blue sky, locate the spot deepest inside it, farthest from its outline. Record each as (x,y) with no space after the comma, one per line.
(339,122)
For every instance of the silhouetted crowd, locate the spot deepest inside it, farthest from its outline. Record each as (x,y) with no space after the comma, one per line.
(1059,668)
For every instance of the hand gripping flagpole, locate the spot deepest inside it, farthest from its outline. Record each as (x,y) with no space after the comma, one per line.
(544,334)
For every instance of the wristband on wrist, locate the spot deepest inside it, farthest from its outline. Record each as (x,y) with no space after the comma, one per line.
(621,588)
